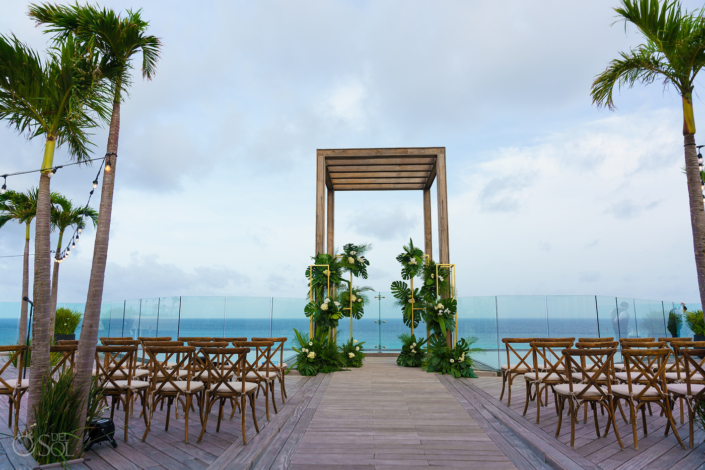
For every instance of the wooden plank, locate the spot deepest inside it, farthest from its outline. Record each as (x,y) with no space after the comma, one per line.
(320,204)
(442,187)
(375,152)
(378,181)
(378,187)
(431,177)
(379,168)
(380,161)
(379,174)
(428,235)
(330,218)
(17,461)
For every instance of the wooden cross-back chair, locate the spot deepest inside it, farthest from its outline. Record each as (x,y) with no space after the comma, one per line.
(231,339)
(114,372)
(222,365)
(588,366)
(168,385)
(591,390)
(549,354)
(675,371)
(674,366)
(596,340)
(188,339)
(66,355)
(142,339)
(653,361)
(692,388)
(264,374)
(544,367)
(13,388)
(281,366)
(651,387)
(172,359)
(521,364)
(624,342)
(139,374)
(67,342)
(199,367)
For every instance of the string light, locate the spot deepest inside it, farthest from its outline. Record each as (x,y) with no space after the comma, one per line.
(51,171)
(700,168)
(4,185)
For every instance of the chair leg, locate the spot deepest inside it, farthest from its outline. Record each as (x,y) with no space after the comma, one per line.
(643,419)
(538,402)
(573,413)
(207,407)
(682,412)
(127,412)
(10,406)
(168,411)
(528,397)
(509,389)
(672,422)
(242,418)
(220,414)
(189,399)
(254,411)
(16,404)
(632,418)
(274,402)
(266,397)
(621,411)
(594,417)
(148,422)
(504,383)
(613,418)
(585,414)
(283,387)
(560,401)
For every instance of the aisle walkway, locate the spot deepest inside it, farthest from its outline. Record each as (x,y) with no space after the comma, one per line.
(383,416)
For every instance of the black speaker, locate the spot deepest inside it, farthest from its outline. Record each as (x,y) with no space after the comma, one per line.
(101,430)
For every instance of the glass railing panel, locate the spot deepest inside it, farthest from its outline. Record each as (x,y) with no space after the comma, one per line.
(117,314)
(168,320)
(131,319)
(572,316)
(149,316)
(9,323)
(248,317)
(628,326)
(686,331)
(477,316)
(392,323)
(76,307)
(104,322)
(651,322)
(202,317)
(521,316)
(607,316)
(287,315)
(367,328)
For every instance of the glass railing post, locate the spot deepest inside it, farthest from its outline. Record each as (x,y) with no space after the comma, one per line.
(178,324)
(271,313)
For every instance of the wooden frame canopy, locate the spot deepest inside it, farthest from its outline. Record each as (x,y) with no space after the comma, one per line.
(381,169)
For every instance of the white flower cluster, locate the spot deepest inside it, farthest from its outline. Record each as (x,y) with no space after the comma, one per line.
(412,261)
(413,351)
(304,350)
(353,253)
(440,278)
(452,361)
(337,304)
(351,260)
(311,355)
(355,341)
(324,307)
(411,300)
(353,297)
(462,358)
(357,348)
(351,355)
(310,344)
(327,272)
(441,309)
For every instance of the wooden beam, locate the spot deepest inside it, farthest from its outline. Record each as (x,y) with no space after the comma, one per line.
(320,203)
(380,174)
(380,152)
(339,169)
(330,239)
(377,187)
(380,161)
(329,182)
(431,177)
(442,187)
(378,181)
(428,236)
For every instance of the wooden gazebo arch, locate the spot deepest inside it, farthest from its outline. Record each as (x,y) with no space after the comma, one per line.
(382,169)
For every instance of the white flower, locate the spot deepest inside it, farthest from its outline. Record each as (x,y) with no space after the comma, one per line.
(324,306)
(351,260)
(359,260)
(412,261)
(353,297)
(452,361)
(327,301)
(304,350)
(337,304)
(311,355)
(411,300)
(359,300)
(353,253)
(357,348)
(355,341)
(440,306)
(351,355)
(413,345)
(326,272)
(440,314)
(310,344)
(461,359)
(433,276)
(440,278)
(447,310)
(413,351)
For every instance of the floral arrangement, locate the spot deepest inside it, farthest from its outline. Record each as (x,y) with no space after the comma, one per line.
(66,321)
(320,276)
(352,353)
(326,313)
(359,300)
(455,361)
(412,260)
(317,354)
(402,292)
(413,352)
(429,277)
(354,261)
(440,316)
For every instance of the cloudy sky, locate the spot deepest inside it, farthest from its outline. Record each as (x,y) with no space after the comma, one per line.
(215,191)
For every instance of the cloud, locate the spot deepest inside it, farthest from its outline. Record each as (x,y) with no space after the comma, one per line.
(384,224)
(589,276)
(628,209)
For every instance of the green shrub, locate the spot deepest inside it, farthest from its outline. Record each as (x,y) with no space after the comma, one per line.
(675,321)
(455,361)
(695,322)
(318,354)
(413,351)
(352,353)
(67,321)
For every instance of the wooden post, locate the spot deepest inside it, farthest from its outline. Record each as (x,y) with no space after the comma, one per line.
(428,236)
(442,186)
(320,202)
(330,240)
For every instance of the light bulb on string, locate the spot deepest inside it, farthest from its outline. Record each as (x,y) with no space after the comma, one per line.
(95,184)
(80,229)
(107,165)
(4,185)
(73,245)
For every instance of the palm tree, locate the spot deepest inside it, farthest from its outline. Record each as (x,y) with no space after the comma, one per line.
(63,216)
(58,99)
(118,40)
(673,51)
(21,207)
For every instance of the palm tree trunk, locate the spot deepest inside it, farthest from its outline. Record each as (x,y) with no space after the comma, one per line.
(41,335)
(91,316)
(55,283)
(695,192)
(25,290)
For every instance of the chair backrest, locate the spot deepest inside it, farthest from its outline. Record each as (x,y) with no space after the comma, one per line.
(678,349)
(554,340)
(596,340)
(640,365)
(263,356)
(146,344)
(231,340)
(117,364)
(222,364)
(694,362)
(161,373)
(68,357)
(603,358)
(675,340)
(624,341)
(187,339)
(549,356)
(16,353)
(142,339)
(198,365)
(119,342)
(596,345)
(521,361)
(67,342)
(279,349)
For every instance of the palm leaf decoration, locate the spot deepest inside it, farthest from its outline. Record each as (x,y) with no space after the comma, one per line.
(358,304)
(354,261)
(402,292)
(411,260)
